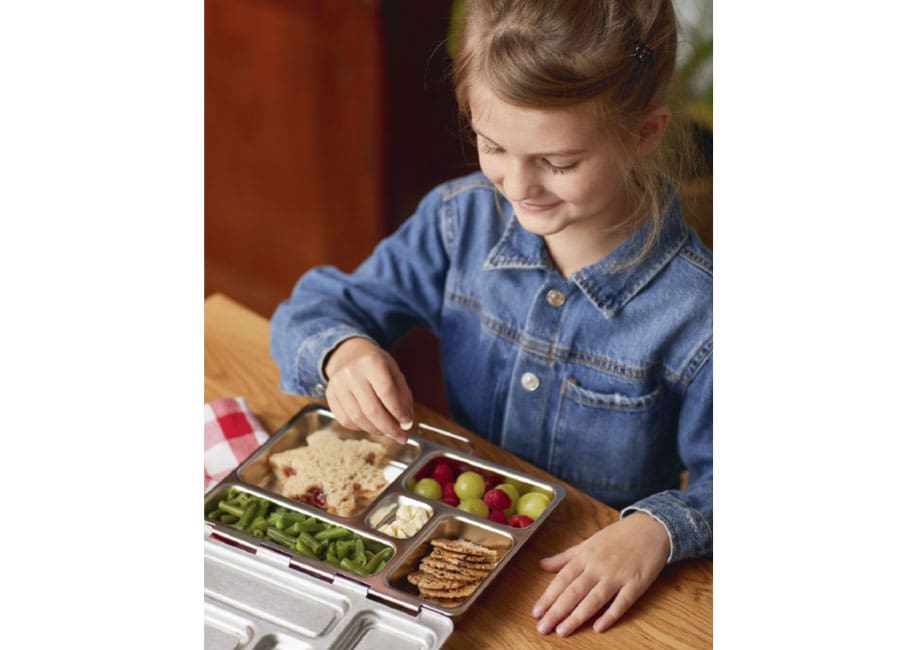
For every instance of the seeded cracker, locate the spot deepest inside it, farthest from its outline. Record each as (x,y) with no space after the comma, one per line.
(452,571)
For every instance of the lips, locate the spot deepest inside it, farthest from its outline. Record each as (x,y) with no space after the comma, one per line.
(537,207)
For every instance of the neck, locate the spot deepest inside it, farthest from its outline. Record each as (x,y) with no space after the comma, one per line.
(572,251)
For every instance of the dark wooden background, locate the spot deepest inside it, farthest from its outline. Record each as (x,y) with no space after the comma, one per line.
(326,121)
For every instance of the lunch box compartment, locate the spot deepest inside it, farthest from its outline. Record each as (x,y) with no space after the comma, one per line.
(384,512)
(452,527)
(460,463)
(295,512)
(257,470)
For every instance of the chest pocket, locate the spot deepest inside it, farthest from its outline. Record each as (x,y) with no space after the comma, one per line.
(616,444)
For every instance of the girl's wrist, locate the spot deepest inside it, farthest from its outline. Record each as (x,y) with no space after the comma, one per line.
(653,529)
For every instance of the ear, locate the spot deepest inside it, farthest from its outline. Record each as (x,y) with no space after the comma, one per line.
(651,130)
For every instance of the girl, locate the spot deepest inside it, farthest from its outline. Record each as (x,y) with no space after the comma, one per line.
(572,303)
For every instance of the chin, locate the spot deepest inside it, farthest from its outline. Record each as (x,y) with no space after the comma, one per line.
(540,225)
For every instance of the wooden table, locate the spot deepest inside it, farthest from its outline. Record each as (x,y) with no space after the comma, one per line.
(675,613)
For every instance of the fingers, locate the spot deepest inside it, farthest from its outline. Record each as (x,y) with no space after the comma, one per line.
(575,604)
(593,602)
(620,605)
(556,588)
(393,391)
(373,396)
(347,411)
(556,562)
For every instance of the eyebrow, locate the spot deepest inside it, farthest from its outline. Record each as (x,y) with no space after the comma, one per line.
(567,152)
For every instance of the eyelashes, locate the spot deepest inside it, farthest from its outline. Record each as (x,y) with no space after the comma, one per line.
(483,147)
(490,150)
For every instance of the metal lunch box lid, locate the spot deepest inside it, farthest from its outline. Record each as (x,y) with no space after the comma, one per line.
(254,598)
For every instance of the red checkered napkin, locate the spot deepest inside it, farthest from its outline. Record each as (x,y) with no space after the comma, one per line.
(232,433)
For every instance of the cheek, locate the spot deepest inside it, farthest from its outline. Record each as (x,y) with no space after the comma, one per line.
(490,168)
(589,189)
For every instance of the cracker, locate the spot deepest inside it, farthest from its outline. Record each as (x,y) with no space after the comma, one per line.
(426,581)
(463,562)
(454,567)
(442,573)
(464,547)
(423,580)
(459,592)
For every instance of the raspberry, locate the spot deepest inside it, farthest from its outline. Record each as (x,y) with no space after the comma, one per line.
(498,516)
(520,521)
(448,490)
(489,483)
(497,500)
(423,472)
(443,473)
(450,501)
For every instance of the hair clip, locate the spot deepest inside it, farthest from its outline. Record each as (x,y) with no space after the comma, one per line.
(642,52)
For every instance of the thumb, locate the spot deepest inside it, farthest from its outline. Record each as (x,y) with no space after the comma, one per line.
(403,407)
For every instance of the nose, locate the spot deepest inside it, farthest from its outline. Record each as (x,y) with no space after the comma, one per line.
(520,182)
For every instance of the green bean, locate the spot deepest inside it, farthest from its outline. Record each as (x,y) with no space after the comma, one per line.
(373,545)
(280,537)
(230,508)
(336,532)
(302,548)
(352,567)
(383,556)
(343,548)
(310,542)
(359,557)
(259,524)
(228,519)
(251,508)
(302,527)
(258,532)
(263,508)
(331,558)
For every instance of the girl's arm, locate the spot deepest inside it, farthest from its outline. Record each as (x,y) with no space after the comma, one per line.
(604,575)
(398,287)
(688,516)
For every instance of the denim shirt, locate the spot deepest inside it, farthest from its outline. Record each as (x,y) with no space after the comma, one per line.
(603,379)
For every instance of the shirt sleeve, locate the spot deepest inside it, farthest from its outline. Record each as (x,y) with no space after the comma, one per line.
(398,287)
(688,516)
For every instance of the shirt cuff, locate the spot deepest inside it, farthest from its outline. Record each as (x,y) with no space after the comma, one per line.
(310,377)
(689,532)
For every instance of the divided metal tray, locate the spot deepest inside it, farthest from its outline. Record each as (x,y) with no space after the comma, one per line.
(381,598)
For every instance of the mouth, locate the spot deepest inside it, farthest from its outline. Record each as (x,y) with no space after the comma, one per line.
(537,207)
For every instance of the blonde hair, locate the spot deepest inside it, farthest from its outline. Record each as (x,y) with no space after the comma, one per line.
(552,53)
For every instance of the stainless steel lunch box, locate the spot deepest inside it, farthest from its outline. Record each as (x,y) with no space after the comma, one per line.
(259,594)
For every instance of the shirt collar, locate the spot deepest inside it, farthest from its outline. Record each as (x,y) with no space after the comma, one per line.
(606,283)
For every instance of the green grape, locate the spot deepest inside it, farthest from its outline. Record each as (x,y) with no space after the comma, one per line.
(518,485)
(532,504)
(543,491)
(428,488)
(469,485)
(475,506)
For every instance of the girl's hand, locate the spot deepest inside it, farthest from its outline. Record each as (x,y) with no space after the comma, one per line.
(618,562)
(367,391)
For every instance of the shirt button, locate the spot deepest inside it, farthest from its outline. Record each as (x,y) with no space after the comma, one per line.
(530,381)
(556,297)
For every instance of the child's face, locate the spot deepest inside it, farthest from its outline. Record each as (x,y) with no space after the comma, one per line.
(556,167)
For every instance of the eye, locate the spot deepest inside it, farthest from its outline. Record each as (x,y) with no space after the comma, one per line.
(558,169)
(487,148)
